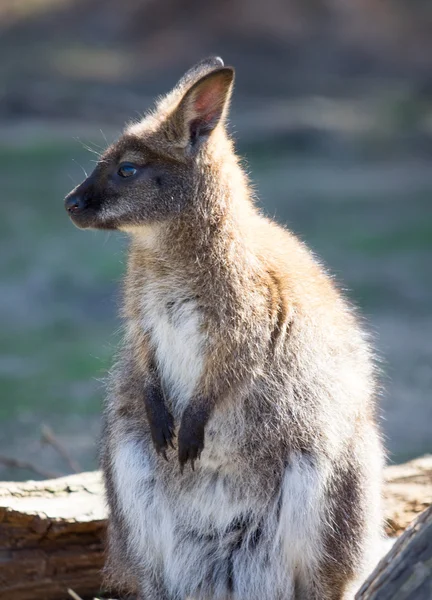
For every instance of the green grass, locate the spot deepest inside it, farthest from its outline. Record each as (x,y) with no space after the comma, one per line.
(60,286)
(415,236)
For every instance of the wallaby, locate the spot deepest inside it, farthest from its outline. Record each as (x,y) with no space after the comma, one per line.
(240,450)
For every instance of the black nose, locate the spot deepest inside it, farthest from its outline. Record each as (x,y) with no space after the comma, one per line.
(75,203)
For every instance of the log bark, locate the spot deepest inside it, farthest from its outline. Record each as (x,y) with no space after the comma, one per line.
(405,573)
(51,532)
(51,537)
(407,492)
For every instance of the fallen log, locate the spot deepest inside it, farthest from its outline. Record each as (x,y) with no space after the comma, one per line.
(407,493)
(405,573)
(51,537)
(51,532)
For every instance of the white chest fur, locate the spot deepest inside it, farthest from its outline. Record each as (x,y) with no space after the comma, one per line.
(174,324)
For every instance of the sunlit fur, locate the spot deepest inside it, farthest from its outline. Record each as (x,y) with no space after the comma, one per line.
(284,503)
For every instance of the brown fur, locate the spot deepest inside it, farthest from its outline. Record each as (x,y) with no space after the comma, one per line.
(287,382)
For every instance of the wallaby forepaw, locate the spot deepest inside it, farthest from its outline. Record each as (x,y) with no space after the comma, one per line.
(162,432)
(190,443)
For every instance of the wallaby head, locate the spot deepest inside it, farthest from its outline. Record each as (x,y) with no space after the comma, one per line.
(150,173)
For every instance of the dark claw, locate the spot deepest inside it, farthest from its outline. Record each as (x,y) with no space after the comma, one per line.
(190,442)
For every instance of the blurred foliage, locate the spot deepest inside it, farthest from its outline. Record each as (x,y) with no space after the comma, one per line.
(333,113)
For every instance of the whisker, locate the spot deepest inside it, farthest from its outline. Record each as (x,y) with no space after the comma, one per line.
(89,148)
(84,171)
(104,137)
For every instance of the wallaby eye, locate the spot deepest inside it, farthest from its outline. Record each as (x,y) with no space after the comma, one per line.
(127,170)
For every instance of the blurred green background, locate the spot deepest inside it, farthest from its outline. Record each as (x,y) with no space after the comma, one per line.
(333,116)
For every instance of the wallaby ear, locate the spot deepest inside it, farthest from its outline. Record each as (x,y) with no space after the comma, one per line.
(202,107)
(199,70)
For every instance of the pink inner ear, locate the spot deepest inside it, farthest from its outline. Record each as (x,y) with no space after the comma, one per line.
(208,101)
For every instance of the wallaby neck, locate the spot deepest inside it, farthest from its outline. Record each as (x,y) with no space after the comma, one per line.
(208,248)
(211,227)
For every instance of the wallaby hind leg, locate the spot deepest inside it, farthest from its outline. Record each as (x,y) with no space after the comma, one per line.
(151,588)
(316,590)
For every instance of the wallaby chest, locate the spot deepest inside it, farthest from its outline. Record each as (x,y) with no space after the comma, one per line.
(171,318)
